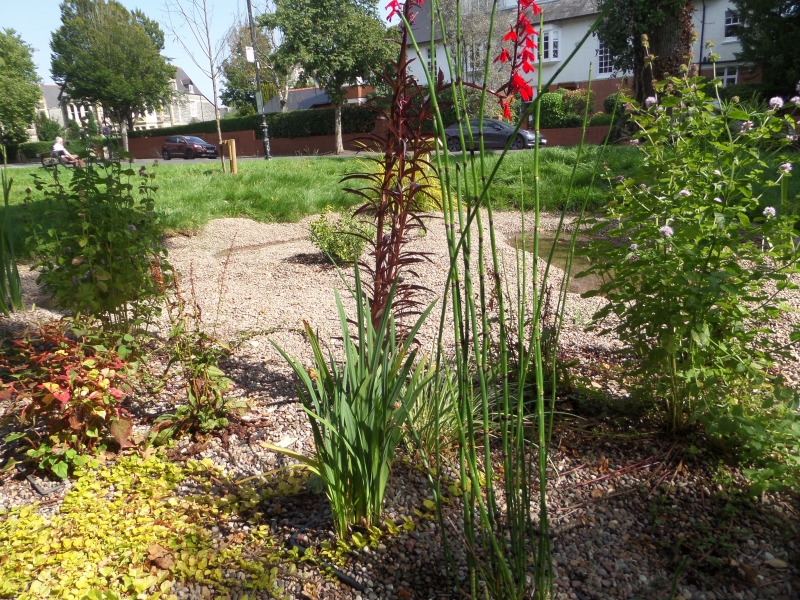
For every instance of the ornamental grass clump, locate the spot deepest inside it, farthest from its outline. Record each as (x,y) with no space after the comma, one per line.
(502,451)
(357,409)
(695,286)
(10,283)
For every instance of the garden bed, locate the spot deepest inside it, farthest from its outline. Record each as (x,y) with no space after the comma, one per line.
(632,512)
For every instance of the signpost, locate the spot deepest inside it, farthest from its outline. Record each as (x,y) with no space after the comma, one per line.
(259,95)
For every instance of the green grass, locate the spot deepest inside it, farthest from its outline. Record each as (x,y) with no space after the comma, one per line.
(287,189)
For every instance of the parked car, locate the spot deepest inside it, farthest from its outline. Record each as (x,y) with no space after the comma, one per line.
(188,147)
(495,135)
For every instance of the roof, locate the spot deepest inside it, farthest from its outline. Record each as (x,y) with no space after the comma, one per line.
(568,9)
(299,99)
(183,81)
(51,93)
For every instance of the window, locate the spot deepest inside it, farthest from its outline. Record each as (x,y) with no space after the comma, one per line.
(193,109)
(729,75)
(732,23)
(603,58)
(550,45)
(191,88)
(426,56)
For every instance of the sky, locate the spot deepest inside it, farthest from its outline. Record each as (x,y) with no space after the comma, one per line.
(36,20)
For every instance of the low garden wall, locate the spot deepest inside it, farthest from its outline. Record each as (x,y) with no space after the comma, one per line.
(248,145)
(571,136)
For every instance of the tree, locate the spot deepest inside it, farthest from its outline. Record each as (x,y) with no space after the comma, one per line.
(336,41)
(769,34)
(240,75)
(668,27)
(195,16)
(20,86)
(102,53)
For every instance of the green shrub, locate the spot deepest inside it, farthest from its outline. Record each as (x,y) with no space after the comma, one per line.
(92,130)
(571,121)
(34,149)
(293,124)
(575,102)
(601,119)
(74,130)
(344,239)
(551,110)
(46,128)
(611,101)
(104,258)
(687,282)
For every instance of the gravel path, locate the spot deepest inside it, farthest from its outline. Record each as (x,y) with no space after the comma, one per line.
(626,508)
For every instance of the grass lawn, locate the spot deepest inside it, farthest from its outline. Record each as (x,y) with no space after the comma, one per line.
(287,189)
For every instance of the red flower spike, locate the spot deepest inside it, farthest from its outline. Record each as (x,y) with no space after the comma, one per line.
(506,110)
(518,84)
(536,9)
(395,6)
(526,66)
(511,35)
(530,43)
(503,57)
(527,55)
(522,21)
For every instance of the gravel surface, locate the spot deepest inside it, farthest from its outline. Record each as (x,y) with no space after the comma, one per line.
(631,513)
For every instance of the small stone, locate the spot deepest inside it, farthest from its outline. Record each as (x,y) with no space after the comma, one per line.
(768,556)
(777,563)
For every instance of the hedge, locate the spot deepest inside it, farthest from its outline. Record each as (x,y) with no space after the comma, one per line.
(293,124)
(601,119)
(34,149)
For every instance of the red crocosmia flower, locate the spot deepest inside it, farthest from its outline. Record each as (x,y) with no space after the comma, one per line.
(530,43)
(519,85)
(526,66)
(536,9)
(523,4)
(395,6)
(527,55)
(503,57)
(506,110)
(511,35)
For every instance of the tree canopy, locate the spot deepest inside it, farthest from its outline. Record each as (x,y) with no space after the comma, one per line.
(769,34)
(668,27)
(104,53)
(335,41)
(20,85)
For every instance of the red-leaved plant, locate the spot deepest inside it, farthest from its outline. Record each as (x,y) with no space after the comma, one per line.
(399,188)
(68,389)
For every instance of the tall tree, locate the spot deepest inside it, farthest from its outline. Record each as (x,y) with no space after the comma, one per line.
(336,41)
(668,27)
(195,16)
(769,34)
(240,75)
(103,53)
(20,86)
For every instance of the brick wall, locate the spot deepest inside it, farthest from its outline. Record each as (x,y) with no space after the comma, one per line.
(571,136)
(248,145)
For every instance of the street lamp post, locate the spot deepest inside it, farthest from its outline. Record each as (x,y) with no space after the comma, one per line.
(259,94)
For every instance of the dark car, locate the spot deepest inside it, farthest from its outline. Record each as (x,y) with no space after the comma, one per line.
(495,135)
(188,147)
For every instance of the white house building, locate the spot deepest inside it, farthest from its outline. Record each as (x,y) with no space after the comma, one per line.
(566,23)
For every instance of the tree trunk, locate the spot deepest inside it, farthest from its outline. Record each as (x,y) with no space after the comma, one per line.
(123,131)
(338,130)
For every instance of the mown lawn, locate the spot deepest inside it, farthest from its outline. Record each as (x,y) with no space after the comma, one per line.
(287,189)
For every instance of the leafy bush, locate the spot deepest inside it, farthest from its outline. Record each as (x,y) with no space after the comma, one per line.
(34,149)
(575,102)
(601,119)
(357,410)
(688,282)
(98,260)
(198,354)
(92,130)
(46,128)
(552,110)
(611,101)
(571,121)
(293,124)
(71,386)
(343,239)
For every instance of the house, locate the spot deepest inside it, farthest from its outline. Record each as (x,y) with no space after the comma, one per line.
(565,24)
(188,105)
(60,108)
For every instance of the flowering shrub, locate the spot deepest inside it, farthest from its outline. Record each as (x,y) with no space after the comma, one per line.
(70,389)
(693,285)
(98,260)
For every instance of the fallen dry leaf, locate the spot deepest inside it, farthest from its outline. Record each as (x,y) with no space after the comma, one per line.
(749,572)
(777,563)
(160,557)
(597,493)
